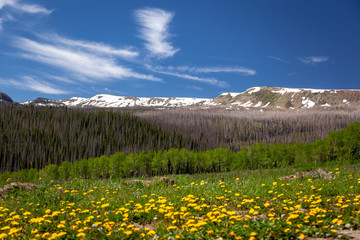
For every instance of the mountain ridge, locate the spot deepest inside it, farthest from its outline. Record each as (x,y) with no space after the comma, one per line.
(263,97)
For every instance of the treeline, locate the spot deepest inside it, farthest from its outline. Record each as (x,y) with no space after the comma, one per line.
(343,145)
(34,137)
(216,128)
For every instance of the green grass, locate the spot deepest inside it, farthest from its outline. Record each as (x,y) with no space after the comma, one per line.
(234,205)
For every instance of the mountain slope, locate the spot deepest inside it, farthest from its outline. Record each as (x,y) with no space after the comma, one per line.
(289,98)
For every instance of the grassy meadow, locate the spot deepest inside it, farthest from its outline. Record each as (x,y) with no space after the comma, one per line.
(248,204)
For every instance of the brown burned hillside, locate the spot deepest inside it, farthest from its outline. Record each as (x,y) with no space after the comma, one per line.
(236,129)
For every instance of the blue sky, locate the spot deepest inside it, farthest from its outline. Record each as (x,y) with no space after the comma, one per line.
(162,48)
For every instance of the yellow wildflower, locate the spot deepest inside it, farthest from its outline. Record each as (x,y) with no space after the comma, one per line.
(81,234)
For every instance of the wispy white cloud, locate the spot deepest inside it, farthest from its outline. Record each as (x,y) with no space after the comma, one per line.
(236,69)
(179,72)
(212,81)
(99,48)
(30,84)
(32,8)
(4,3)
(43,87)
(107,91)
(114,91)
(155,31)
(195,88)
(15,6)
(278,59)
(314,59)
(23,7)
(60,79)
(87,66)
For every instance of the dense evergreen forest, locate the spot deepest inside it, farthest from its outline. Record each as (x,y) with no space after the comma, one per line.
(342,146)
(33,137)
(216,128)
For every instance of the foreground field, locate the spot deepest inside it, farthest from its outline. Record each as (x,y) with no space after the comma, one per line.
(235,205)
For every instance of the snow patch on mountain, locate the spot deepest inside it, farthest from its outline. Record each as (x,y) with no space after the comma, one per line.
(247,104)
(267,104)
(254,90)
(258,104)
(307,103)
(232,94)
(287,90)
(316,90)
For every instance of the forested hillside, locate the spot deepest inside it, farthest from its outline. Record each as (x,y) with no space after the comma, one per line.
(33,137)
(216,128)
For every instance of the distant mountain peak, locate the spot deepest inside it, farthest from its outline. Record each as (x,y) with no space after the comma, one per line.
(5,98)
(44,102)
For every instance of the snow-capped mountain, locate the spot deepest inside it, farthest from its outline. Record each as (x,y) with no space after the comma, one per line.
(112,101)
(253,98)
(106,100)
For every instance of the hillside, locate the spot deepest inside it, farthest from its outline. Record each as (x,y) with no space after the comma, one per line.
(220,127)
(289,98)
(37,136)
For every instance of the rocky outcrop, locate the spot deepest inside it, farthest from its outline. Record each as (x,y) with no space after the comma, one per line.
(18,186)
(320,173)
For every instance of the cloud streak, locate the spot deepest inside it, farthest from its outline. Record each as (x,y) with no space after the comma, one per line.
(278,59)
(86,66)
(212,81)
(99,48)
(236,69)
(155,31)
(43,87)
(17,6)
(195,88)
(29,83)
(314,59)
(26,8)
